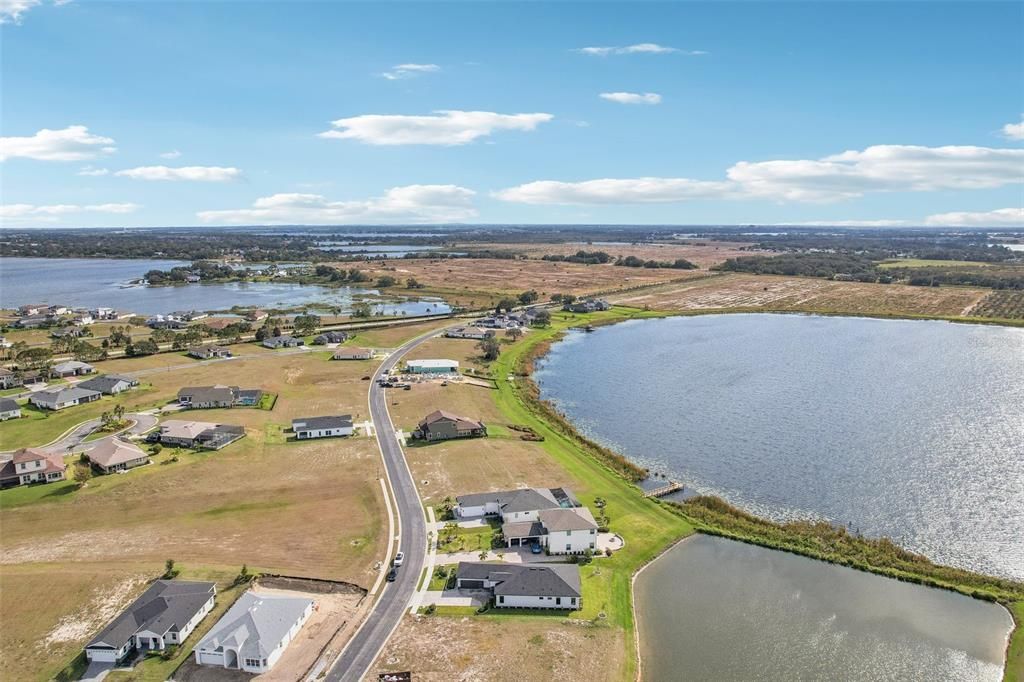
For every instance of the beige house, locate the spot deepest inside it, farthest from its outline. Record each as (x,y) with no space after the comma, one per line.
(442,425)
(32,465)
(114,454)
(352,353)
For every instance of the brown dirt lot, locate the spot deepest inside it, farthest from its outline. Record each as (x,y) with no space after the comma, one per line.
(392,337)
(742,291)
(464,276)
(502,649)
(703,254)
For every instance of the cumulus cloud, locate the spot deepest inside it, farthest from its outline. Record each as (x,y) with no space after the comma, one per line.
(403,71)
(189,173)
(638,48)
(614,191)
(1014,131)
(881,168)
(1001,217)
(74,143)
(632,97)
(446,127)
(173,154)
(409,204)
(11,11)
(89,171)
(53,212)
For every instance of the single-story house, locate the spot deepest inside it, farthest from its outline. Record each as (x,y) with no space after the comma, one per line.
(590,305)
(529,586)
(442,425)
(165,322)
(322,427)
(561,531)
(166,614)
(103,313)
(352,353)
(110,384)
(4,343)
(523,504)
(32,465)
(202,397)
(33,309)
(33,321)
(254,632)
(71,368)
(256,315)
(469,333)
(83,319)
(330,337)
(9,409)
(207,352)
(283,341)
(200,435)
(432,366)
(115,454)
(63,332)
(59,398)
(9,379)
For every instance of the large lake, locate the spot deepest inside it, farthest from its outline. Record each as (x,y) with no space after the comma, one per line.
(908,429)
(715,609)
(93,282)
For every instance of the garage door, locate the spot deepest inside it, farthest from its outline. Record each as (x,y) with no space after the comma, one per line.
(102,655)
(207,658)
(471,584)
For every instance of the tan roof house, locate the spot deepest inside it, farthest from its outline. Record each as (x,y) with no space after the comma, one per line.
(352,353)
(442,425)
(115,454)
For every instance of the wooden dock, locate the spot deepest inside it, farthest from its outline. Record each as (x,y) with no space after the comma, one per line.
(667,489)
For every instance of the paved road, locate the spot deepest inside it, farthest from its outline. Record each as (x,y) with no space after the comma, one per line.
(393,601)
(74,440)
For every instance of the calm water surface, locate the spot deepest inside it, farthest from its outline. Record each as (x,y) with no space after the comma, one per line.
(93,282)
(715,609)
(908,429)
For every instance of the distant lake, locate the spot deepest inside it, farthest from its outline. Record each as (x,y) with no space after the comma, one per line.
(907,429)
(375,250)
(716,609)
(94,282)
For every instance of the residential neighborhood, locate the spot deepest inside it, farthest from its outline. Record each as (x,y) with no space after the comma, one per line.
(443,425)
(32,465)
(112,455)
(305,428)
(206,397)
(63,397)
(200,435)
(209,352)
(524,586)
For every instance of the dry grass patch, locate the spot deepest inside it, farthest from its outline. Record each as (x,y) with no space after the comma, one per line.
(503,649)
(742,291)
(702,254)
(409,407)
(395,336)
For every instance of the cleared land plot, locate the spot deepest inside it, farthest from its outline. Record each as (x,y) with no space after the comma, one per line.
(465,276)
(503,649)
(702,254)
(309,509)
(409,407)
(392,337)
(742,291)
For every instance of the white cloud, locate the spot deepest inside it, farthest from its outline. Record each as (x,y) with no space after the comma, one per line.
(409,204)
(632,97)
(1001,217)
(190,173)
(1014,131)
(638,48)
(11,10)
(90,171)
(882,168)
(614,191)
(52,213)
(441,128)
(74,143)
(403,71)
(173,154)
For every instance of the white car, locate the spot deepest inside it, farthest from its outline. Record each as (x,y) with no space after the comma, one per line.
(399,558)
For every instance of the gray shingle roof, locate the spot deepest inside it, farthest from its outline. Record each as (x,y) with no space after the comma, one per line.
(106,383)
(8,405)
(255,624)
(510,501)
(343,421)
(526,580)
(63,395)
(165,606)
(567,519)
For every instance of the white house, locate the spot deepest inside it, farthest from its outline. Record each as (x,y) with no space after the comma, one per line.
(322,427)
(32,465)
(523,504)
(72,368)
(550,517)
(469,333)
(254,632)
(568,531)
(60,398)
(110,384)
(165,614)
(9,409)
(524,586)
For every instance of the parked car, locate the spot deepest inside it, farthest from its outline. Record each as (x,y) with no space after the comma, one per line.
(535,548)
(399,558)
(392,574)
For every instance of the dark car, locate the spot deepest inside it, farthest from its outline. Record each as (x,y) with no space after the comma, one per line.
(392,574)
(535,548)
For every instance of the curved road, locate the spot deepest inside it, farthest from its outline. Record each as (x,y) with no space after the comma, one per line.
(393,600)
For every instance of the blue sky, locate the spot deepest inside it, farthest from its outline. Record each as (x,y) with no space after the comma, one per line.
(195,113)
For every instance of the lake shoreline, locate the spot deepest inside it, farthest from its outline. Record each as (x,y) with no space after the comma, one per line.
(546,411)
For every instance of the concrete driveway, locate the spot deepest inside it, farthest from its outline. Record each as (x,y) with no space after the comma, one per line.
(96,671)
(456,597)
(509,555)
